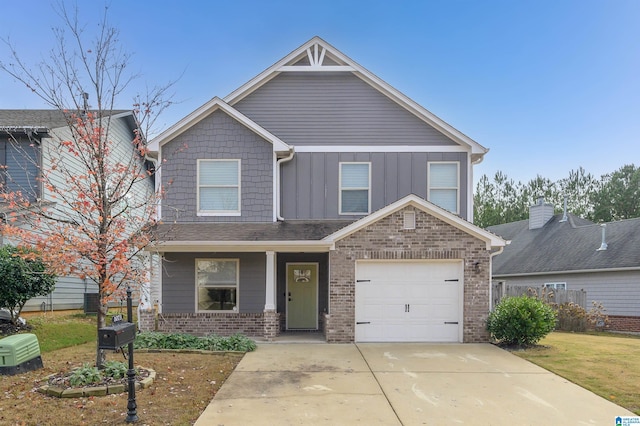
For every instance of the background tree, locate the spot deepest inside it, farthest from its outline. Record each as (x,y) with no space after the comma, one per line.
(579,188)
(23,275)
(619,195)
(103,197)
(615,196)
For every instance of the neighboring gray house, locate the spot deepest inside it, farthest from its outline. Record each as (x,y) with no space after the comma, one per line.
(317,197)
(24,138)
(565,251)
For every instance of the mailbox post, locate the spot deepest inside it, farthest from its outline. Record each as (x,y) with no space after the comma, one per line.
(123,333)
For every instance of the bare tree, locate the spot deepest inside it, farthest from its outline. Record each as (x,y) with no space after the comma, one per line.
(98,195)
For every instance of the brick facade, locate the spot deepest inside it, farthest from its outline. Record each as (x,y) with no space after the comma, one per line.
(624,323)
(432,239)
(261,325)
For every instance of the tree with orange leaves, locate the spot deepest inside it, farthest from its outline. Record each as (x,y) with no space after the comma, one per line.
(98,196)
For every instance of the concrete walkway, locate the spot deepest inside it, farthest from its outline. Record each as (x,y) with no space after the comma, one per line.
(399,384)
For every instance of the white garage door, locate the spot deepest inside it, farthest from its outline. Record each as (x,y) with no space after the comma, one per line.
(407,301)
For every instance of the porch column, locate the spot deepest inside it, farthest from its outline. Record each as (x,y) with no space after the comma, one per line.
(270,296)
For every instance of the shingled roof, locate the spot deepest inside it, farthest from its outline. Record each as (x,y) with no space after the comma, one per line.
(571,245)
(35,118)
(290,230)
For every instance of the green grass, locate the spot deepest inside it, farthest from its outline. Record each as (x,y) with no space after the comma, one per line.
(606,364)
(61,332)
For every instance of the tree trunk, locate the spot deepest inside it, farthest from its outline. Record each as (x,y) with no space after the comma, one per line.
(101,322)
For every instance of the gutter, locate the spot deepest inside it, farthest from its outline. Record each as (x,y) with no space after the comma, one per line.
(278,163)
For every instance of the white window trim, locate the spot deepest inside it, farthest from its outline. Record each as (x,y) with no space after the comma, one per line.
(554,285)
(457,188)
(340,189)
(237,286)
(237,212)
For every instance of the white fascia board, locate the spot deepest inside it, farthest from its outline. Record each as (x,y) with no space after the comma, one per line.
(490,239)
(381,148)
(242,246)
(204,111)
(269,73)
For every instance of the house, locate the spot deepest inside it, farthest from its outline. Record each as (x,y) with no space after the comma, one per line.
(317,197)
(26,137)
(563,251)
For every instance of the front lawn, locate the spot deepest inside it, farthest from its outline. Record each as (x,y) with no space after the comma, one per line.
(606,364)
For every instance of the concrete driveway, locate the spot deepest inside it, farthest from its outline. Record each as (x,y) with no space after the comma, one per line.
(399,384)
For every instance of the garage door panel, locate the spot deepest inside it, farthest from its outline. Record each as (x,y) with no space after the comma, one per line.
(408,301)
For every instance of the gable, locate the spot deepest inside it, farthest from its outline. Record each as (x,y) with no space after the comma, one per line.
(490,240)
(335,108)
(318,56)
(218,136)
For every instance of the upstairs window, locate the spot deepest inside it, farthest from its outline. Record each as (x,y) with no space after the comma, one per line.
(355,191)
(444,185)
(219,187)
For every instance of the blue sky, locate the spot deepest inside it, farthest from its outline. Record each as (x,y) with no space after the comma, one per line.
(547,86)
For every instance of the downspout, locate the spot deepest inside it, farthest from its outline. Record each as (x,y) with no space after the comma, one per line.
(495,253)
(278,163)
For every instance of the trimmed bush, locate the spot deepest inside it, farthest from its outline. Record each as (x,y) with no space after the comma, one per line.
(521,321)
(155,340)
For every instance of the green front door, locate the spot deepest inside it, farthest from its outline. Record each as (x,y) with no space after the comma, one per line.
(302,296)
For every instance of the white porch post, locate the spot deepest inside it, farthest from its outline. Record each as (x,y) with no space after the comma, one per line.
(270,296)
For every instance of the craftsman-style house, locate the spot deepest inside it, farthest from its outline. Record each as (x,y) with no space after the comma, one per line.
(317,197)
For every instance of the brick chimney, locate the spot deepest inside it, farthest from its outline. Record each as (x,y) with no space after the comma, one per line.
(539,214)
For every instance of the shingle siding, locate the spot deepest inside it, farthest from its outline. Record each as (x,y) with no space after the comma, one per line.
(334,109)
(218,136)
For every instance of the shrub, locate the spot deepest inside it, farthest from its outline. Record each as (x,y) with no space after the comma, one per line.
(571,317)
(155,340)
(115,369)
(597,317)
(521,321)
(85,375)
(23,275)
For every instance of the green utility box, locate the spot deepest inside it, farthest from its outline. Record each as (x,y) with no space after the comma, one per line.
(19,353)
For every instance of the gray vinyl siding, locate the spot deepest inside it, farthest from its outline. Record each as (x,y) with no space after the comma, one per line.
(21,158)
(619,292)
(307,108)
(68,294)
(218,136)
(310,186)
(179,282)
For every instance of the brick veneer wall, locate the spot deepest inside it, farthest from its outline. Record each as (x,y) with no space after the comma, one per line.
(386,239)
(262,325)
(624,323)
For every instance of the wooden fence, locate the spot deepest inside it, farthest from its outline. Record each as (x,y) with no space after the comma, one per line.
(549,295)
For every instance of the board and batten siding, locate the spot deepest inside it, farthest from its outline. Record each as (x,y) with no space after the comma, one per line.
(310,182)
(619,292)
(307,108)
(179,281)
(218,136)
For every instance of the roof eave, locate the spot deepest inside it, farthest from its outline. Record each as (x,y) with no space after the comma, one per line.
(241,246)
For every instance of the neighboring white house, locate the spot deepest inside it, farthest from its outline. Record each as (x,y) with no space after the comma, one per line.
(568,252)
(25,136)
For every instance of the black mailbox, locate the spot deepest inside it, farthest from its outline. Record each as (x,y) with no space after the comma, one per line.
(118,335)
